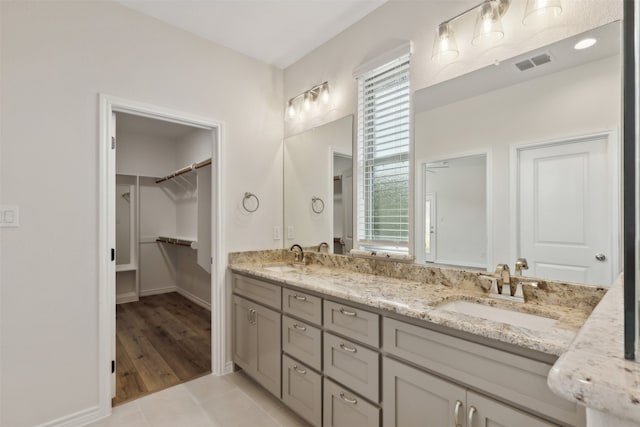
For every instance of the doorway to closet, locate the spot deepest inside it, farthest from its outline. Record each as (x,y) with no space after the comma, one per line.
(163,254)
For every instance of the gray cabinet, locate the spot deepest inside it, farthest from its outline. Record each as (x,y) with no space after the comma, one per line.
(302,341)
(343,408)
(412,397)
(302,390)
(256,342)
(303,306)
(351,322)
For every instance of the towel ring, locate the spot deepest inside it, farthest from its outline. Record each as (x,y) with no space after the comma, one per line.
(247,196)
(314,204)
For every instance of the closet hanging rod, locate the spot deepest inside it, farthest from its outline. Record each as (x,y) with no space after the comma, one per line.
(184,170)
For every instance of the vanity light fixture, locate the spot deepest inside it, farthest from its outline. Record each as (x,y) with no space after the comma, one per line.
(540,11)
(488,28)
(307,100)
(585,43)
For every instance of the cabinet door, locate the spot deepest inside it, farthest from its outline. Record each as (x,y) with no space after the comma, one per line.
(490,413)
(414,398)
(267,324)
(244,334)
(302,390)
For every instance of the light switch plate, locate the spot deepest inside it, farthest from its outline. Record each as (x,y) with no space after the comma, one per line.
(291,233)
(276,232)
(9,216)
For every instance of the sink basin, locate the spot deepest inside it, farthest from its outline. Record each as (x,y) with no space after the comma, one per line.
(515,318)
(282,268)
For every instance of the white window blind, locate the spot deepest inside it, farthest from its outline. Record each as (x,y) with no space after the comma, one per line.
(383,157)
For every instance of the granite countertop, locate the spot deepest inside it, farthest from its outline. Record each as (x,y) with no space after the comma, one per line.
(593,371)
(420,300)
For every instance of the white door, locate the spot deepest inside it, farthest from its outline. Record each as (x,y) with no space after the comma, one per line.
(430,227)
(564,213)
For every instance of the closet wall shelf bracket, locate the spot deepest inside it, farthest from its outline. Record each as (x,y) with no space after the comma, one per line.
(178,242)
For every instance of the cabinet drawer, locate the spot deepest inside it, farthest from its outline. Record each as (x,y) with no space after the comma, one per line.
(302,390)
(351,322)
(257,290)
(302,341)
(353,365)
(343,408)
(301,305)
(511,377)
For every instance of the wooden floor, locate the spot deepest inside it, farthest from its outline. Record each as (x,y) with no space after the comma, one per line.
(161,340)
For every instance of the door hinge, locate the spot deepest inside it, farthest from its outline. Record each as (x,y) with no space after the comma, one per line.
(113,254)
(113,366)
(113,142)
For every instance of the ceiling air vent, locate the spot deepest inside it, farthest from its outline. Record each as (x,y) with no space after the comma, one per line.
(535,61)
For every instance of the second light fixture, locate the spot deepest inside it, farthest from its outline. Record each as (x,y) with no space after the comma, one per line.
(308,99)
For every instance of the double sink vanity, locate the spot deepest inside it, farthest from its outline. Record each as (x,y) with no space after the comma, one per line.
(361,342)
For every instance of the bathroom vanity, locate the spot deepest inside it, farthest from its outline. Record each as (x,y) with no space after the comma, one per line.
(342,346)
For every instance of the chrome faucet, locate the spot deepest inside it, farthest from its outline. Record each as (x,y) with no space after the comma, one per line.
(521,264)
(323,245)
(299,254)
(503,277)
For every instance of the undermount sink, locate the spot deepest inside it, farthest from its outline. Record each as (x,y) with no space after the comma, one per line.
(496,314)
(282,268)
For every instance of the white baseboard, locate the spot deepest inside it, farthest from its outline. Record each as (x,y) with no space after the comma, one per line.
(80,418)
(166,290)
(228,368)
(125,298)
(195,299)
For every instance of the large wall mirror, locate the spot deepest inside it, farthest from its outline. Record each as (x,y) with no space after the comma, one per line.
(522,159)
(318,187)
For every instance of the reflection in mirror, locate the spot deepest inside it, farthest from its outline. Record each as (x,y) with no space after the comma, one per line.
(126,235)
(318,187)
(455,211)
(550,120)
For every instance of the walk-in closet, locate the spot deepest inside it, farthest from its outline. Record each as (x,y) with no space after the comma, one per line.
(163,254)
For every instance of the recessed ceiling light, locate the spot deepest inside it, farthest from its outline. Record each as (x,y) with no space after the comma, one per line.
(585,43)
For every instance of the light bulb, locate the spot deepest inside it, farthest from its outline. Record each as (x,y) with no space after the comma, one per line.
(306,104)
(488,29)
(445,48)
(324,93)
(291,109)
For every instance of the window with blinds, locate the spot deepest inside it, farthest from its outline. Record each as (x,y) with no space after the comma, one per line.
(383,157)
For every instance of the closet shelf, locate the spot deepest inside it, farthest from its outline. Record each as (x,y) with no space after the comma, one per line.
(178,242)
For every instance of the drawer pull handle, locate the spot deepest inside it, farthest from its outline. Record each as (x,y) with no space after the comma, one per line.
(346,399)
(299,298)
(302,328)
(472,412)
(348,313)
(349,349)
(456,413)
(299,370)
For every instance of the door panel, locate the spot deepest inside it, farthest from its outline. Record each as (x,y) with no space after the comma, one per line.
(564,218)
(490,413)
(412,397)
(244,338)
(267,326)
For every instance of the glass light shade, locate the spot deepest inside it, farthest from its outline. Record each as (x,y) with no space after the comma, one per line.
(306,103)
(488,29)
(324,93)
(445,48)
(541,11)
(291,110)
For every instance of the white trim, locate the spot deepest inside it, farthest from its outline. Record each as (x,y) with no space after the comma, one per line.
(128,297)
(158,291)
(419,210)
(193,298)
(77,419)
(106,269)
(403,49)
(454,263)
(228,368)
(615,166)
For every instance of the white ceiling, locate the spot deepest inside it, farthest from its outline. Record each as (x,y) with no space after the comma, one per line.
(278,32)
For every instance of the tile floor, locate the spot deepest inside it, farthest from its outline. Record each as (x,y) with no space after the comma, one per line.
(233,400)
